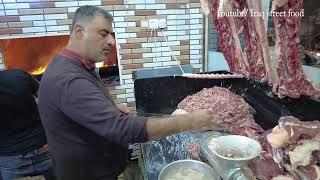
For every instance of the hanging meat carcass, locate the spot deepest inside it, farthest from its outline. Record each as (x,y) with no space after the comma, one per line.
(293,81)
(287,78)
(229,42)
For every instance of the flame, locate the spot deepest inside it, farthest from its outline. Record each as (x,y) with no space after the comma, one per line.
(34,57)
(40,70)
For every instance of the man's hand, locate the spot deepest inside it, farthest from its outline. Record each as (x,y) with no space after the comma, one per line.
(202,120)
(179,112)
(199,120)
(123,108)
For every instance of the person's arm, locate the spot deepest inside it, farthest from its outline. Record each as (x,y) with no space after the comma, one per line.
(195,121)
(160,127)
(85,104)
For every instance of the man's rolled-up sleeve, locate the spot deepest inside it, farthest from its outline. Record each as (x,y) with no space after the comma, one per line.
(88,106)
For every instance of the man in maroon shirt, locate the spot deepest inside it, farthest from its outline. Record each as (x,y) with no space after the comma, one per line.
(88,134)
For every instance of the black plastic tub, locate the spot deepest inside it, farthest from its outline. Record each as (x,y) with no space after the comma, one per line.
(161,96)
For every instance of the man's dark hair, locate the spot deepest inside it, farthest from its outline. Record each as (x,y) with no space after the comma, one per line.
(86,14)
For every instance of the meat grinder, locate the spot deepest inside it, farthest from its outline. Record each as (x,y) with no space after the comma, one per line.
(230,154)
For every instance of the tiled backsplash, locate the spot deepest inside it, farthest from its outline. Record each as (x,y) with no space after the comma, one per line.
(139,46)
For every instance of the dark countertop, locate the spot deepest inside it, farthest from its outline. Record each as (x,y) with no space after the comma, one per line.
(157,154)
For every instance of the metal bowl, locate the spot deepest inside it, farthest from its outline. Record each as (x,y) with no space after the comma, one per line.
(198,166)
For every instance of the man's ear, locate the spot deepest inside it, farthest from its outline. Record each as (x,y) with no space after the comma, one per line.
(79,31)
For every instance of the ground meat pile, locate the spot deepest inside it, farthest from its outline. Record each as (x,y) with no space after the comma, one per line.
(228,107)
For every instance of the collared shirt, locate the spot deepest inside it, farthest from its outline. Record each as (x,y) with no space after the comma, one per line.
(82,116)
(75,56)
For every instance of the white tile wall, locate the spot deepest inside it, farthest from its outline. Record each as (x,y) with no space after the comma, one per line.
(194,41)
(56,16)
(140,1)
(161,59)
(67,4)
(140,6)
(159,49)
(121,41)
(129,95)
(40,33)
(128,81)
(199,56)
(197,65)
(195,46)
(128,76)
(39,23)
(180,27)
(93,3)
(126,86)
(172,33)
(8,1)
(65,32)
(125,24)
(123,13)
(194,52)
(169,54)
(176,22)
(194,31)
(196,16)
(19,35)
(197,61)
(195,11)
(186,37)
(131,99)
(150,65)
(27,0)
(57,28)
(51,22)
(117,19)
(12,12)
(33,29)
(148,45)
(171,63)
(171,11)
(195,36)
(194,21)
(129,91)
(72,9)
(171,43)
(16,6)
(177,17)
(149,55)
(120,30)
(156,6)
(31,18)
(121,96)
(196,26)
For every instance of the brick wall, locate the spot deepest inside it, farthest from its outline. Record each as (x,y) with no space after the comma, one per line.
(139,46)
